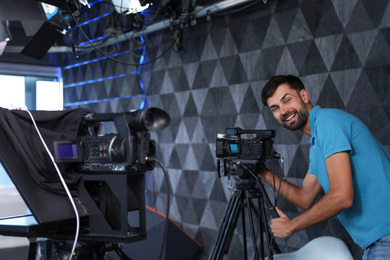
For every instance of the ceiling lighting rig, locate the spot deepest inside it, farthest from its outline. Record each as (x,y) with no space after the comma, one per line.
(129,6)
(60,18)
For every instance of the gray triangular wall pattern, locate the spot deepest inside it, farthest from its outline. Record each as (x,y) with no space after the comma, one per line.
(340,49)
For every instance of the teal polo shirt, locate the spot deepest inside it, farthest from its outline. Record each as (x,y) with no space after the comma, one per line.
(336,131)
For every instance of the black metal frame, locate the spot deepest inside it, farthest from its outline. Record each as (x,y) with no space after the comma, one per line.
(128,191)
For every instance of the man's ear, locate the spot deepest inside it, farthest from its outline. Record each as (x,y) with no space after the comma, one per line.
(305,95)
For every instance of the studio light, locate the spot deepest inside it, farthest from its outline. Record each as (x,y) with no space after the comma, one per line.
(60,17)
(129,6)
(5,35)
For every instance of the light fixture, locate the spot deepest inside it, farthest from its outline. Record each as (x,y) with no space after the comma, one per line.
(61,16)
(5,34)
(129,6)
(2,47)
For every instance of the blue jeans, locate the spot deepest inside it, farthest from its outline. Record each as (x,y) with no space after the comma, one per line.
(380,250)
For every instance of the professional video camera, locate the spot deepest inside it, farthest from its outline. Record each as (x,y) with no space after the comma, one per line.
(244,158)
(102,159)
(251,151)
(128,150)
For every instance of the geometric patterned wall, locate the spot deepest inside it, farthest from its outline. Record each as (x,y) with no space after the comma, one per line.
(340,49)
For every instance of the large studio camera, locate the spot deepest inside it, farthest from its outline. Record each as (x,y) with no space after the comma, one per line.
(102,159)
(126,150)
(251,151)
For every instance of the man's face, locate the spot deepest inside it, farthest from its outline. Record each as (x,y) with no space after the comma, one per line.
(289,108)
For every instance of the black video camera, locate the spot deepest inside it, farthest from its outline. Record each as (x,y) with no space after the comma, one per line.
(251,151)
(231,145)
(127,150)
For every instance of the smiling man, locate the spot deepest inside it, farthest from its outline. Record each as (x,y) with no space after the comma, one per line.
(346,160)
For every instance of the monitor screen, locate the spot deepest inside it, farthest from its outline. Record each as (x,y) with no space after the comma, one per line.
(234,148)
(67,151)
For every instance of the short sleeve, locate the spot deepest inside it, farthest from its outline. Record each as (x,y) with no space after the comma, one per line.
(333,133)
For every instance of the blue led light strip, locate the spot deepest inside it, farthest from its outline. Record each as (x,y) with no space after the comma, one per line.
(96,18)
(92,20)
(99,100)
(98,59)
(141,61)
(97,80)
(93,40)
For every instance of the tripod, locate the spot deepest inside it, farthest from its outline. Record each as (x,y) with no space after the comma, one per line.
(245,190)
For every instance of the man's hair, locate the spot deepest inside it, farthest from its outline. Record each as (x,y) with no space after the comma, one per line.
(271,86)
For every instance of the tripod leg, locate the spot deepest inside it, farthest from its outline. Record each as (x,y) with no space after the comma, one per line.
(254,241)
(226,229)
(261,228)
(244,230)
(272,247)
(264,229)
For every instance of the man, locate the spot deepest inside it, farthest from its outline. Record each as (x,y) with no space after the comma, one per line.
(346,161)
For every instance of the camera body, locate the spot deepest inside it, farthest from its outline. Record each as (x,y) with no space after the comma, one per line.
(250,151)
(231,145)
(107,153)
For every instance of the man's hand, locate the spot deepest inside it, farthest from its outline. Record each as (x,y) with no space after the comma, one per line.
(339,197)
(281,226)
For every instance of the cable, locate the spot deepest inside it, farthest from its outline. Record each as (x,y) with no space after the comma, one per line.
(270,240)
(108,57)
(126,63)
(155,208)
(120,252)
(168,203)
(92,44)
(63,183)
(277,192)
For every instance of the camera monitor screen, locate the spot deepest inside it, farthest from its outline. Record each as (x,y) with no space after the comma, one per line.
(234,148)
(67,151)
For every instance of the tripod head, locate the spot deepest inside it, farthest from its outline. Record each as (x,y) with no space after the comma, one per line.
(246,177)
(247,171)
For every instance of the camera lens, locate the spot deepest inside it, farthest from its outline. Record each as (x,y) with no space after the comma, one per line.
(149,120)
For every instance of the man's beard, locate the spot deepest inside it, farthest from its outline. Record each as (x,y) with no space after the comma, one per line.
(302,117)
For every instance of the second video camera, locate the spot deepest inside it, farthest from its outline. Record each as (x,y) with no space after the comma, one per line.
(257,147)
(252,151)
